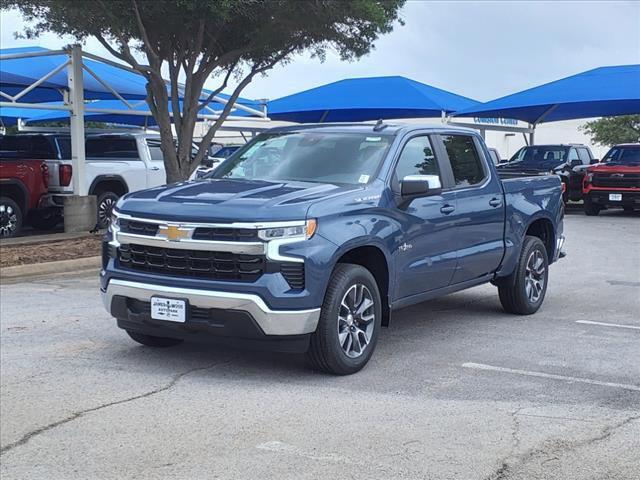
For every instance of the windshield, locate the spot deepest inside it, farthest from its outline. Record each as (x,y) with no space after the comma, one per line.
(540,155)
(627,155)
(342,158)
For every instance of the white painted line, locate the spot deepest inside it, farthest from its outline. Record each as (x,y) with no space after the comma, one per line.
(604,324)
(481,366)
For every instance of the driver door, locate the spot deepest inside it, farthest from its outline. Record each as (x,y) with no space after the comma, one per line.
(425,255)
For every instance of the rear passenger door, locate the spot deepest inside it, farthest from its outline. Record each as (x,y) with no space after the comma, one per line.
(426,255)
(480,208)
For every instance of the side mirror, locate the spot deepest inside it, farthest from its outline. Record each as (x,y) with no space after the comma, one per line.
(594,161)
(575,162)
(413,186)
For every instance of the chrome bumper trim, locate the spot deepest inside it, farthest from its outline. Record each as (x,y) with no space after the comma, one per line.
(272,322)
(247,248)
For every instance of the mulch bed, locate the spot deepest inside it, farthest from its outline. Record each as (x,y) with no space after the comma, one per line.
(50,251)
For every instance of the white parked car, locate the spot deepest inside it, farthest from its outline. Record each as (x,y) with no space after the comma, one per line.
(116,164)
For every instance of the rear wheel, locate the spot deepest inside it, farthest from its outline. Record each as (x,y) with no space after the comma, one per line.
(590,208)
(524,293)
(151,341)
(349,323)
(106,201)
(45,219)
(10,218)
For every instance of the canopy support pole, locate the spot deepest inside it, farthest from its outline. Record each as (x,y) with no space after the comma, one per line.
(76,99)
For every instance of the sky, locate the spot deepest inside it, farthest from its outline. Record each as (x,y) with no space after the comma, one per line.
(482,50)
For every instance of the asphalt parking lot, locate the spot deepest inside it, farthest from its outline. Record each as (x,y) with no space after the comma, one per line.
(457,389)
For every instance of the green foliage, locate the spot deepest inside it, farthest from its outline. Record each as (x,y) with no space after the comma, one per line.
(609,131)
(195,40)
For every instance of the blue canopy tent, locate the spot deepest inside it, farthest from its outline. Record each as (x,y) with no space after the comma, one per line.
(372,98)
(106,111)
(18,73)
(604,91)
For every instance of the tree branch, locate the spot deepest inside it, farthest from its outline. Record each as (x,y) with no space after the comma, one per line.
(143,33)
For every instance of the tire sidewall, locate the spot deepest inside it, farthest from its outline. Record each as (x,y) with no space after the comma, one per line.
(341,281)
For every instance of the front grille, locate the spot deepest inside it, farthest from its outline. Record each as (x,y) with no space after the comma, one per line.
(138,228)
(612,180)
(191,263)
(293,273)
(224,234)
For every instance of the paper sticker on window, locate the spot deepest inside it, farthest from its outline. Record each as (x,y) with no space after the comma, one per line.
(363,179)
(373,139)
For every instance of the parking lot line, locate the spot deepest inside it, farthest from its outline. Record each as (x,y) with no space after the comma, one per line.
(481,366)
(588,322)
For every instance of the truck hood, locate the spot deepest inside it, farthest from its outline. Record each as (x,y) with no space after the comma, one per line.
(530,166)
(228,200)
(614,168)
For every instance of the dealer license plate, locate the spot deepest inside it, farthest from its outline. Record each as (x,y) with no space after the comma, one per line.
(168,309)
(615,197)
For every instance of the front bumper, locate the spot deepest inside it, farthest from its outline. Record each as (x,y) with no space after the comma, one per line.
(269,322)
(630,198)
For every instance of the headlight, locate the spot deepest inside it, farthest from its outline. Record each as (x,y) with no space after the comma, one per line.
(303,232)
(588,177)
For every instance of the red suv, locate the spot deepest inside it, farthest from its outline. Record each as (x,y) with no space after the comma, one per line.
(614,182)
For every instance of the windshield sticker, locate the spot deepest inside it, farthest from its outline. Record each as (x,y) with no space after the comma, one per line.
(363,179)
(373,139)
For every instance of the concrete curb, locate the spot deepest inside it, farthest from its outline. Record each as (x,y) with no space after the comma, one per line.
(48,268)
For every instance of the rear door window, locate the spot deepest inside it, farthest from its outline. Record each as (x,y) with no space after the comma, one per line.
(111,147)
(573,156)
(465,160)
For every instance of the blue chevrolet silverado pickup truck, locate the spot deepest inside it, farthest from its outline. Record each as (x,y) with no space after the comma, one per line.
(309,237)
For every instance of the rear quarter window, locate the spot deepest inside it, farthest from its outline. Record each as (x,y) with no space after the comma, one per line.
(111,148)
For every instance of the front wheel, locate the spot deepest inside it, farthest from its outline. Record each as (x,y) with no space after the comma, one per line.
(151,341)
(524,294)
(349,323)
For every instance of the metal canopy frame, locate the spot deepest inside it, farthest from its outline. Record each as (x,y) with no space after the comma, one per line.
(74,101)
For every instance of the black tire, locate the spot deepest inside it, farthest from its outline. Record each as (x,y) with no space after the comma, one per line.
(46,219)
(590,208)
(11,218)
(325,351)
(151,341)
(513,294)
(105,203)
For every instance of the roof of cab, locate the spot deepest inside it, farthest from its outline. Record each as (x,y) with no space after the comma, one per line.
(369,128)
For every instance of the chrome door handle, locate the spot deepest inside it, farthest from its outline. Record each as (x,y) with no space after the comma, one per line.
(447,209)
(495,202)
(155,169)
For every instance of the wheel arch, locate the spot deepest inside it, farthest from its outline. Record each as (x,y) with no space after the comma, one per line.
(542,227)
(373,259)
(17,191)
(108,183)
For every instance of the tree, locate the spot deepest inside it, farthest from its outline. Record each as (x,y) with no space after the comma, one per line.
(609,131)
(195,40)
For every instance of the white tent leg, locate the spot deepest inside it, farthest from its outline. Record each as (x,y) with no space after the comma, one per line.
(79,209)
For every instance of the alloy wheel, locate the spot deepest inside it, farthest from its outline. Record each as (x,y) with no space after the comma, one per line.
(356,320)
(8,220)
(535,276)
(104,211)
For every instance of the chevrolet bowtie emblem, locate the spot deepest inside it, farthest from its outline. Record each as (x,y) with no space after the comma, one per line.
(174,233)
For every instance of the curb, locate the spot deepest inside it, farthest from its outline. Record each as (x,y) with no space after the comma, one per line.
(48,268)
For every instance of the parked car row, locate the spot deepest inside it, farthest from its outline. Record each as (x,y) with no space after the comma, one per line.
(611,182)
